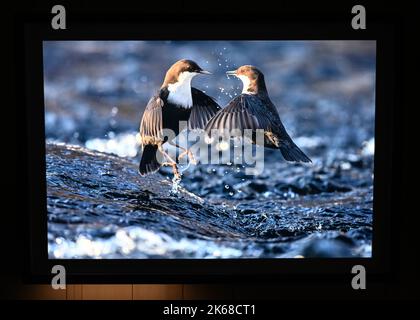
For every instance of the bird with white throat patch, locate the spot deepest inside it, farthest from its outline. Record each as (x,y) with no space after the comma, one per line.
(176,105)
(253,110)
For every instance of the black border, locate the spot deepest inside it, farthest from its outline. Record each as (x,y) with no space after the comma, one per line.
(38,266)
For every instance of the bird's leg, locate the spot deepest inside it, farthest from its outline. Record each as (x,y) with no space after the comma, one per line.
(190,156)
(185,152)
(171,163)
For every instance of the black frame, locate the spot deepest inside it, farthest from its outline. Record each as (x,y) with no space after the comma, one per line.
(38,266)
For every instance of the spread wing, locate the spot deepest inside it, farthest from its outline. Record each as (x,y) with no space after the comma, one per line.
(245,112)
(151,126)
(203,109)
(250,112)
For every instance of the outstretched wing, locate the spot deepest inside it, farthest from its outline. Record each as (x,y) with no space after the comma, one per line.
(243,112)
(204,108)
(250,112)
(151,126)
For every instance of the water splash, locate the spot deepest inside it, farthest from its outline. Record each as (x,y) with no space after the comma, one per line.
(175,184)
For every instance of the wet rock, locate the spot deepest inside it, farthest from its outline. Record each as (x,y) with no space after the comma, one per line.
(308,186)
(258,187)
(98,206)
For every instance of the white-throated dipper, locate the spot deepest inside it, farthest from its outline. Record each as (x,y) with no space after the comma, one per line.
(254,110)
(175,103)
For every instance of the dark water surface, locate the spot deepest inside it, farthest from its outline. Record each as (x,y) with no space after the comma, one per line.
(98,206)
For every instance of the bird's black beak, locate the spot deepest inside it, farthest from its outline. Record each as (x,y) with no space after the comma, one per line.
(204,72)
(231,73)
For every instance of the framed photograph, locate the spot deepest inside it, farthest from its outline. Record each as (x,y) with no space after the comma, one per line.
(196,151)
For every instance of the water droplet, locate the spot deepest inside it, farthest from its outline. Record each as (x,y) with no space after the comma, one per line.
(114,111)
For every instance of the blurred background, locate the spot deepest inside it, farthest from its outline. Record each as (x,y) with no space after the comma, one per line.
(96,91)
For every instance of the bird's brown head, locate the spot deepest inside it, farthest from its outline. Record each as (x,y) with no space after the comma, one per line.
(182,70)
(252,79)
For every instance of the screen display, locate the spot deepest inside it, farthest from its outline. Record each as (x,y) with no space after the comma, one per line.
(209,149)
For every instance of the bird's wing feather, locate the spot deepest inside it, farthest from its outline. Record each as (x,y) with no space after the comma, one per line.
(203,109)
(151,126)
(243,112)
(251,112)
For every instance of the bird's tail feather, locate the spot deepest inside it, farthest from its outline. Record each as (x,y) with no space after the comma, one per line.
(149,162)
(291,152)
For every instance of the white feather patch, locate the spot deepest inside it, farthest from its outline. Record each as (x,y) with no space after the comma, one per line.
(246,83)
(180,91)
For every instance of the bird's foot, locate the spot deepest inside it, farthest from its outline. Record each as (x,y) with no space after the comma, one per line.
(177,175)
(190,156)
